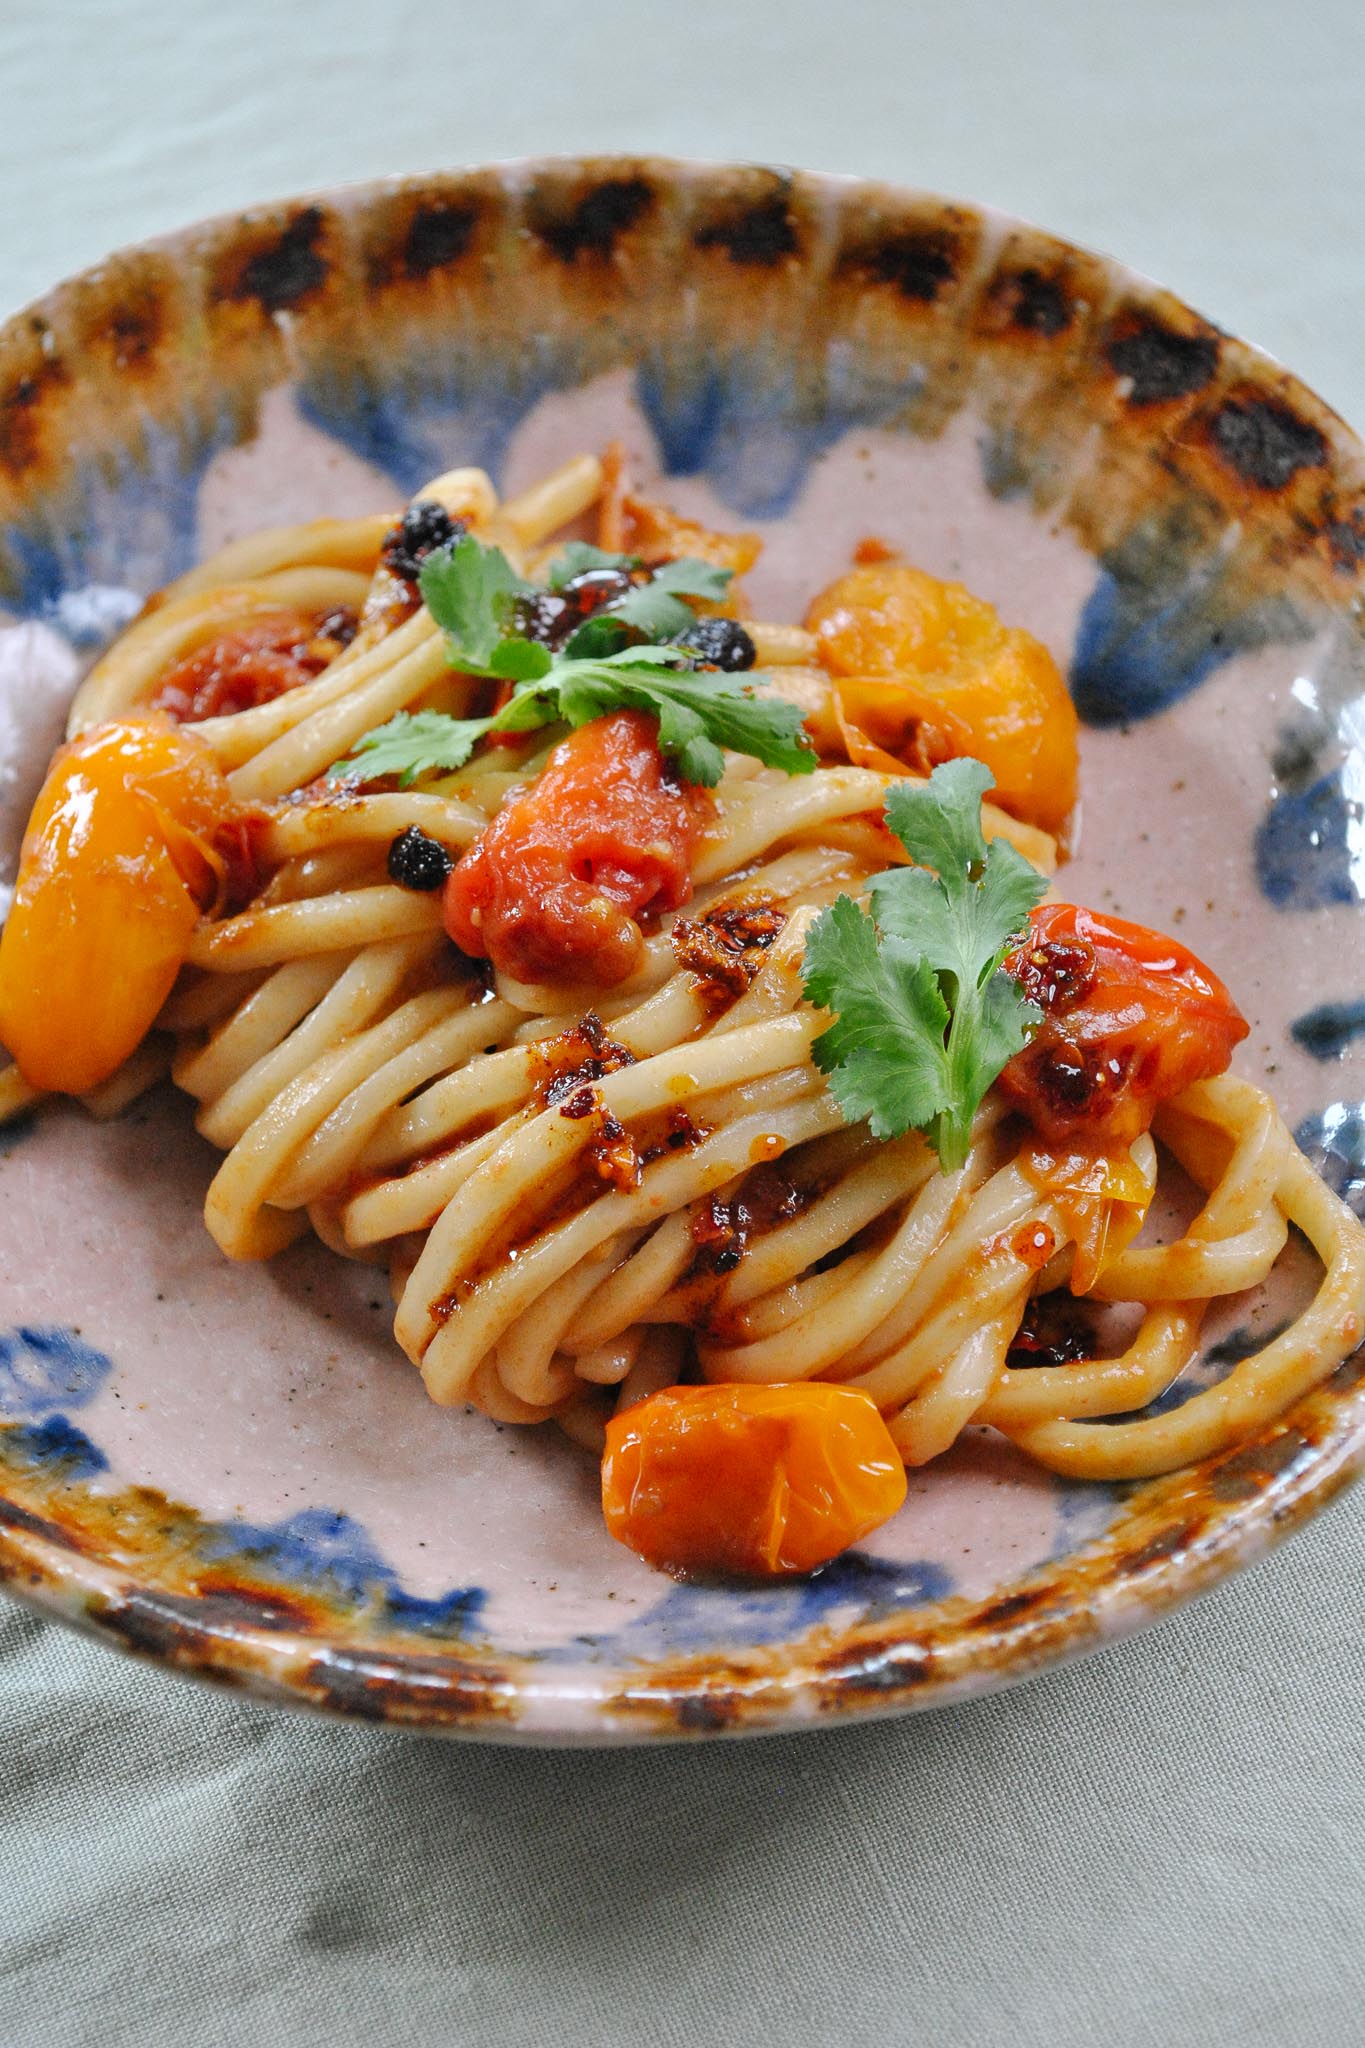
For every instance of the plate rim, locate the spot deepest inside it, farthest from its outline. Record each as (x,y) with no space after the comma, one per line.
(1269,1485)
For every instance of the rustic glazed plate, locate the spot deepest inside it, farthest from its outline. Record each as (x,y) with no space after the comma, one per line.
(232,1468)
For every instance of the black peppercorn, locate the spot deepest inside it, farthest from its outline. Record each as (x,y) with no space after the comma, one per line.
(719,643)
(424,527)
(417,861)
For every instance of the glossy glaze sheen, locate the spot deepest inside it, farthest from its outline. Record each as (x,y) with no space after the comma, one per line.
(230,1470)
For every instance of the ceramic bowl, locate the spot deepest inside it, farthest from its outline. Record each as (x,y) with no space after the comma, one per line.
(232,1469)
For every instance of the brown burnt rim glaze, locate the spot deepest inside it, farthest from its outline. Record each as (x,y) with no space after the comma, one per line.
(594,219)
(313,259)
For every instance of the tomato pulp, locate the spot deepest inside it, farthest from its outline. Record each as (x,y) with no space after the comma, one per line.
(1130,1018)
(555,887)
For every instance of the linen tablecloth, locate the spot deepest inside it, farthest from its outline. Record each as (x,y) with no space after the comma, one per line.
(1165,1844)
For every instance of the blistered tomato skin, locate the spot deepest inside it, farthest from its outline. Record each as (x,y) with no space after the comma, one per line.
(1130,1018)
(116,865)
(971,683)
(555,886)
(756,1480)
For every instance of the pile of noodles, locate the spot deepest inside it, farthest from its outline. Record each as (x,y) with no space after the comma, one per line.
(703,1205)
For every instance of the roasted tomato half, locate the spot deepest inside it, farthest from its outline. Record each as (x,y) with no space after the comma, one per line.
(925,672)
(1130,1018)
(252,663)
(555,887)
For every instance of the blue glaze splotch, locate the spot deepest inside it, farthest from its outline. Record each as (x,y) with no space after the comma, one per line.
(1310,847)
(754,435)
(1163,615)
(44,1367)
(686,413)
(131,524)
(740,422)
(1085,1510)
(1334,1140)
(413,441)
(1139,652)
(700,1617)
(754,429)
(57,1447)
(328,1551)
(1327,1031)
(15,1130)
(1131,661)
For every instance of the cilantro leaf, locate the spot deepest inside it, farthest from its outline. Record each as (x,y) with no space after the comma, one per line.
(599,637)
(577,555)
(653,611)
(586,692)
(687,577)
(468,589)
(884,1053)
(527,709)
(517,660)
(742,719)
(938,822)
(649,608)
(412,743)
(948,928)
(690,707)
(698,714)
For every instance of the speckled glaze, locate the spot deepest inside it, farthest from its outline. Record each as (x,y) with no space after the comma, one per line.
(232,1469)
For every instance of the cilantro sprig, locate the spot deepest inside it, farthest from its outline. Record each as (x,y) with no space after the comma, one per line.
(654,610)
(924,1016)
(470,591)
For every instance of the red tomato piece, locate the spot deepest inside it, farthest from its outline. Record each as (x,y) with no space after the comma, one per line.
(555,887)
(251,664)
(754,1479)
(1130,1018)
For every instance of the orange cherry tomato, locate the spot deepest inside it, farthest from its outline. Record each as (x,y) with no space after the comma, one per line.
(751,1479)
(1130,1017)
(116,864)
(980,687)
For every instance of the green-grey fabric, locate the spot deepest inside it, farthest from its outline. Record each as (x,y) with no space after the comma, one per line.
(1159,1846)
(1163,1845)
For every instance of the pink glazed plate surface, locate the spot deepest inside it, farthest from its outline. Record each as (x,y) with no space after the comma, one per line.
(232,1468)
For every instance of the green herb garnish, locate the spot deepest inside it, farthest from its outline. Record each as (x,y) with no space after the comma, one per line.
(925,1018)
(470,591)
(577,555)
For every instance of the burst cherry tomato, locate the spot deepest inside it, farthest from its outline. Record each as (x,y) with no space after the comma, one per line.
(252,663)
(749,1478)
(553,889)
(967,684)
(117,863)
(1130,1018)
